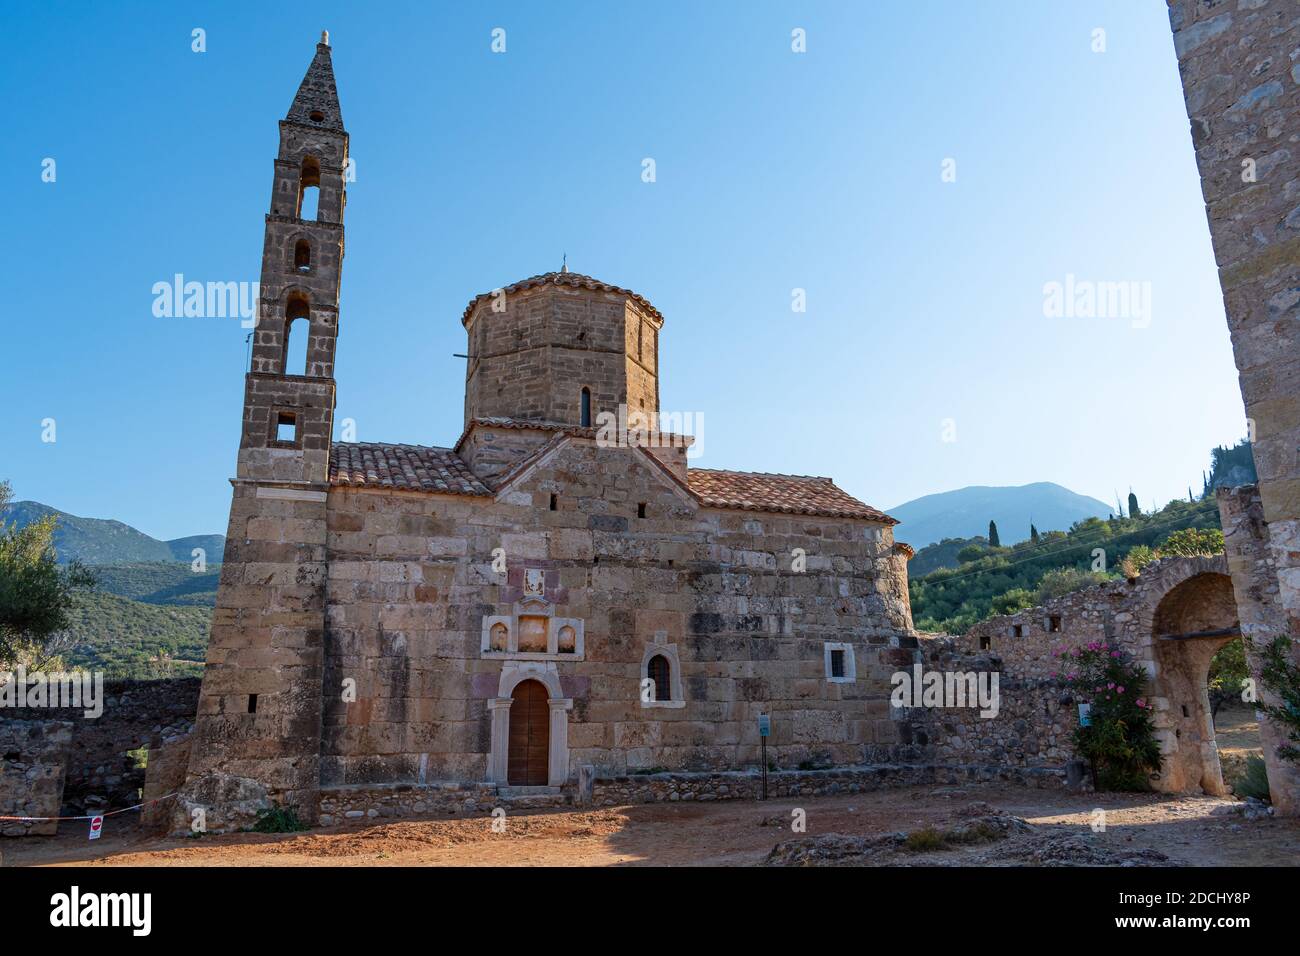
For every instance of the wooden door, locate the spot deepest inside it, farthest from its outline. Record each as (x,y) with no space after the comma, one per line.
(530,735)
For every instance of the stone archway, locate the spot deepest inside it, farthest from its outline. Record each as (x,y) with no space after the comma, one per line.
(1190,623)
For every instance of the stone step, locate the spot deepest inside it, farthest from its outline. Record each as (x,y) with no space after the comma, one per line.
(534,796)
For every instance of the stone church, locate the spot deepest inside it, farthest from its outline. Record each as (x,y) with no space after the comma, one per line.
(530,599)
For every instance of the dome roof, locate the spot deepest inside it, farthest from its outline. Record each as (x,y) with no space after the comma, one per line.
(573,280)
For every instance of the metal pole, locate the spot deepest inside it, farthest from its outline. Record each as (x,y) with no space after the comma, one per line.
(764,768)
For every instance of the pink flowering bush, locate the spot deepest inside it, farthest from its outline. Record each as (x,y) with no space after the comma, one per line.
(1119,741)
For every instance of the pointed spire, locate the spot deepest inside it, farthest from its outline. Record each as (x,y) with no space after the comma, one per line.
(317,101)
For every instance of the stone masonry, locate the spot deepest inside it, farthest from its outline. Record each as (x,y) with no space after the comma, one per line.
(1240,66)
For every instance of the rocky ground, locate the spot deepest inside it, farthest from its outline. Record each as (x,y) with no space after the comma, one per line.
(919,826)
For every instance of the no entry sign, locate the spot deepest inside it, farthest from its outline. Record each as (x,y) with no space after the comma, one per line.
(96,827)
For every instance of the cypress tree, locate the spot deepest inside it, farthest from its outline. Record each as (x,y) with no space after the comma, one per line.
(993,536)
(1133,510)
(1033,533)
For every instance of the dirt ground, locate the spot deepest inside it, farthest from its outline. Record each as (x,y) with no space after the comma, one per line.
(1183,829)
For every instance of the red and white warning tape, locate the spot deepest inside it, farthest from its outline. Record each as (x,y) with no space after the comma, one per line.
(92,816)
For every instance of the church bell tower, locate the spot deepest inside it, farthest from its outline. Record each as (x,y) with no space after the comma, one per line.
(257,735)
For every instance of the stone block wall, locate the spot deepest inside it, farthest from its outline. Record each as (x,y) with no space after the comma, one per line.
(411,581)
(532,358)
(259,710)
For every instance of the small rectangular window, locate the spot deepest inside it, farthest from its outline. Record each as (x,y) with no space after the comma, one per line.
(1018,630)
(640,510)
(837,663)
(286,427)
(985,642)
(555,501)
(252,703)
(1054,623)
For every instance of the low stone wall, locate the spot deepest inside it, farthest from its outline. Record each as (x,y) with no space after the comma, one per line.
(33,755)
(403,800)
(748,785)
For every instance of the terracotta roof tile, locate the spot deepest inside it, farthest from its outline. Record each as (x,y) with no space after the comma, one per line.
(792,494)
(442,471)
(573,280)
(403,468)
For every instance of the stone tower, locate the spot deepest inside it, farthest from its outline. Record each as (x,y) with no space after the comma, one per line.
(561,347)
(259,720)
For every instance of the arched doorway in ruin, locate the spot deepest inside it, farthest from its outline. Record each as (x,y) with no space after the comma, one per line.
(1192,621)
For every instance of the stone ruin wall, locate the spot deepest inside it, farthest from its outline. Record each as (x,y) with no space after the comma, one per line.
(1239,63)
(1029,735)
(1253,566)
(68,764)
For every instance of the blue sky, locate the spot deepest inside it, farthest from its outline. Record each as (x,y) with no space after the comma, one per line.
(775,171)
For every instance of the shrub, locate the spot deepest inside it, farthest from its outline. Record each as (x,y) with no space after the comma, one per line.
(1190,542)
(1119,741)
(1279,674)
(1254,782)
(1138,557)
(1009,602)
(925,840)
(278,820)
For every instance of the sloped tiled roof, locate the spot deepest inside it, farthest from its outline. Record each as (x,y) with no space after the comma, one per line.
(403,468)
(574,280)
(792,494)
(442,471)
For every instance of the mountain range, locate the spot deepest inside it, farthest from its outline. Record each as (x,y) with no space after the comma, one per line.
(103,541)
(966,512)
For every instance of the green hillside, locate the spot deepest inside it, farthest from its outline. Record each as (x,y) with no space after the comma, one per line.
(159,582)
(126,638)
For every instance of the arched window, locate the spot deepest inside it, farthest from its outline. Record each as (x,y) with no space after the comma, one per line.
(297,333)
(309,190)
(657,670)
(302,256)
(499,634)
(585,402)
